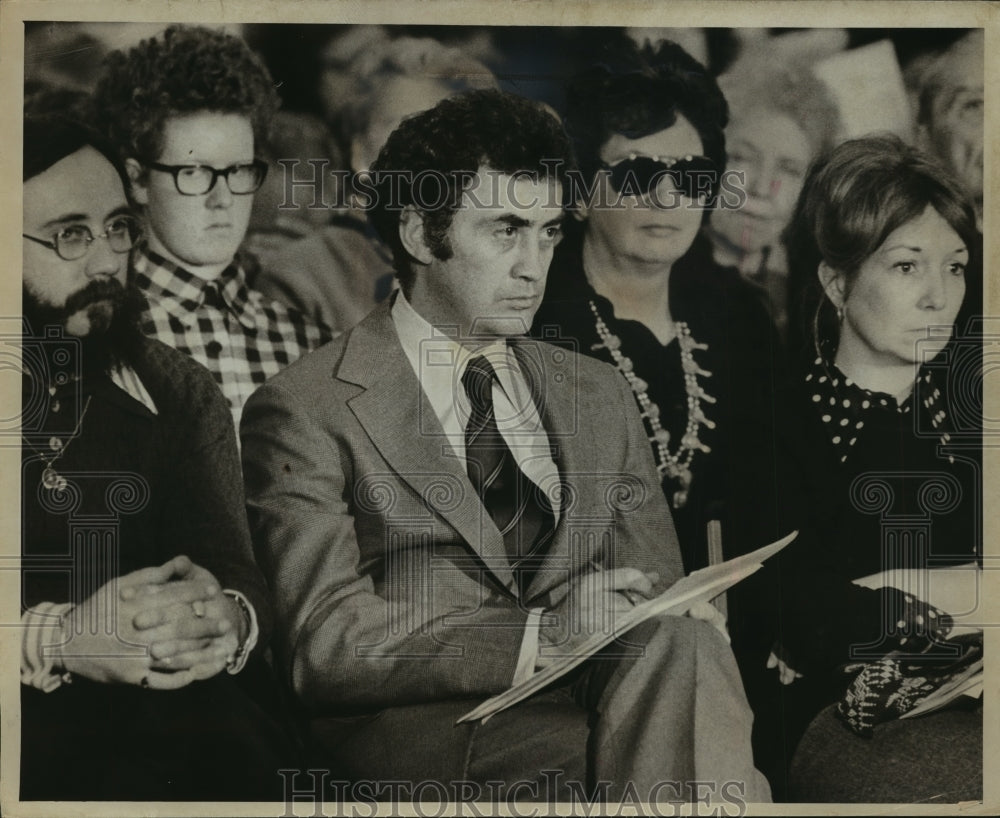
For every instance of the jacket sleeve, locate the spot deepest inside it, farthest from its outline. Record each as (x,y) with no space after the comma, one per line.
(203,512)
(646,525)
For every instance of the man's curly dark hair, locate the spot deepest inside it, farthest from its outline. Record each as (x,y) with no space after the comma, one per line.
(186,70)
(636,92)
(443,147)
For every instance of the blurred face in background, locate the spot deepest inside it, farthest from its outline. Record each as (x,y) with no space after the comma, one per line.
(340,87)
(774,154)
(954,131)
(398,96)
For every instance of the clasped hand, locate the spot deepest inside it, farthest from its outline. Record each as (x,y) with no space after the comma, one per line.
(162,627)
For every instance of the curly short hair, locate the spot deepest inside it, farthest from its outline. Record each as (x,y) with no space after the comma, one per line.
(459,136)
(636,92)
(185,70)
(852,199)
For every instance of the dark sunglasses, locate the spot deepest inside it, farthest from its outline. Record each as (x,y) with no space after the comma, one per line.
(639,175)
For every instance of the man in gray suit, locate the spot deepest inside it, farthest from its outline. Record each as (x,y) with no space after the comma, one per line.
(444,506)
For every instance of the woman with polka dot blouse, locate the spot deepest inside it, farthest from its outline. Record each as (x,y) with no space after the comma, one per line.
(878,597)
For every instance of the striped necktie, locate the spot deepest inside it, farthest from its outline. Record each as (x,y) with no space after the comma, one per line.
(520,510)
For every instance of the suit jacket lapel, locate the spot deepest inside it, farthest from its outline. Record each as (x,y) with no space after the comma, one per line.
(556,390)
(399,420)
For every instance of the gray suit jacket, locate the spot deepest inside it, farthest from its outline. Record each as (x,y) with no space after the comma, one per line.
(390,580)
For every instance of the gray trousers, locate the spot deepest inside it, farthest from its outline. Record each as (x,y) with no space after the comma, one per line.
(661,716)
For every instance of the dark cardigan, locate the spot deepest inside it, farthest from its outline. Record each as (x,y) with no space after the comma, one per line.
(164,484)
(142,489)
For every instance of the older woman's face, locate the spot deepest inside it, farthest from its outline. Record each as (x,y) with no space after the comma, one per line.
(657,228)
(774,153)
(398,97)
(913,281)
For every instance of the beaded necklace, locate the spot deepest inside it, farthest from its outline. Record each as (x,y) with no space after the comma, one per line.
(677,466)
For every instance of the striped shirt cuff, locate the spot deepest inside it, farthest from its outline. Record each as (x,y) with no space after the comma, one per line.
(40,635)
(528,655)
(239,659)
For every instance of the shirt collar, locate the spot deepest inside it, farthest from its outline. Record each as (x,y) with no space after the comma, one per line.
(845,408)
(440,362)
(833,386)
(181,293)
(128,380)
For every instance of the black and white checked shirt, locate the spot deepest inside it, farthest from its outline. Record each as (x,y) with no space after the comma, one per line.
(239,335)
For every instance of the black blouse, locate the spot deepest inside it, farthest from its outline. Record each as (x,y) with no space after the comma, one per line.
(883,485)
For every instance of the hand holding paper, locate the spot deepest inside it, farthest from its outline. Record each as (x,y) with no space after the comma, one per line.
(594,603)
(699,586)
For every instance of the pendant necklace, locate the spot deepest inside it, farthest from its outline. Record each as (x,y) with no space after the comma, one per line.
(51,479)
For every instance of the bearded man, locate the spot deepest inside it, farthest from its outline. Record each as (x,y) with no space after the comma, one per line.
(137,572)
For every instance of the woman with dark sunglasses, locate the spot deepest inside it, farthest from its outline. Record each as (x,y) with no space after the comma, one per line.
(634,283)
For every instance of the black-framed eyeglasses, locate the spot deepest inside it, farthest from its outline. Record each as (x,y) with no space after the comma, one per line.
(639,175)
(197,180)
(74,241)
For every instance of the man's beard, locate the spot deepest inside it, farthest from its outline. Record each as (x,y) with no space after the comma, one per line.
(114,313)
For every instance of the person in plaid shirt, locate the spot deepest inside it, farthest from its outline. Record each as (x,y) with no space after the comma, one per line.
(186,110)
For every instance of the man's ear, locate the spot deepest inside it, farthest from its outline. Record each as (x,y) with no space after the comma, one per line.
(411,234)
(137,181)
(833,282)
